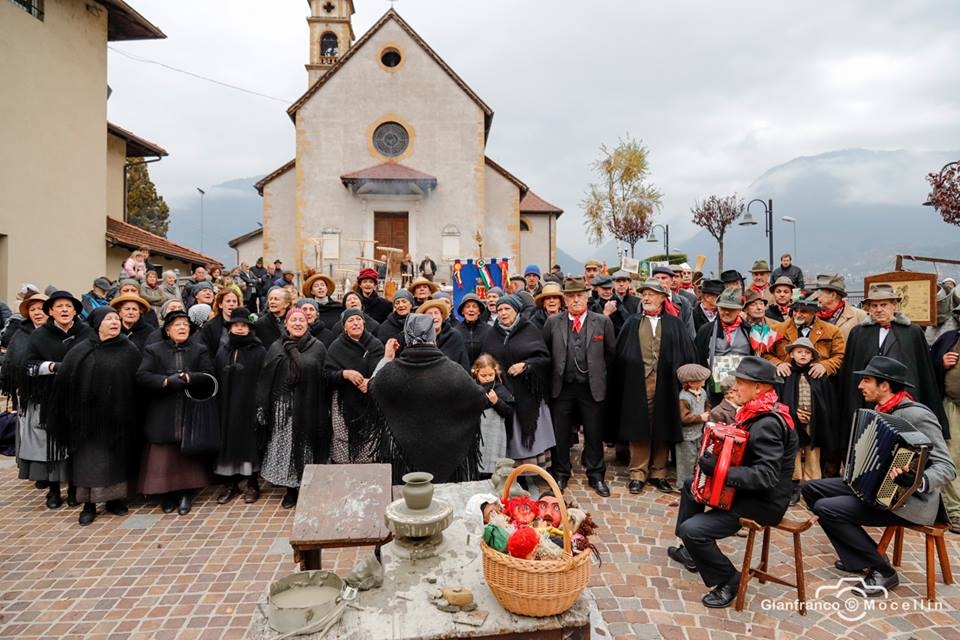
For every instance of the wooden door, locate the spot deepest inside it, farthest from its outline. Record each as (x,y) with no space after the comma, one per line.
(391,230)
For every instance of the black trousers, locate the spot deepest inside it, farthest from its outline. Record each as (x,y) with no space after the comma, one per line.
(574,406)
(843,516)
(700,529)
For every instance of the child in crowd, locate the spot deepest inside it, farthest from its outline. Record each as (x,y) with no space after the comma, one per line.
(494,420)
(726,411)
(694,412)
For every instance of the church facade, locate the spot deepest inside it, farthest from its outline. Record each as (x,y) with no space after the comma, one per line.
(390,148)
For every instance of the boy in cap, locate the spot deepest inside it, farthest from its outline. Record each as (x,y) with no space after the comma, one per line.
(694,413)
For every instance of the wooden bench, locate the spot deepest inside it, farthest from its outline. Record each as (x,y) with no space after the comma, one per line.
(934,540)
(794,527)
(340,505)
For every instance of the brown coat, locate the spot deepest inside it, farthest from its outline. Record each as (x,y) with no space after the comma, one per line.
(851,317)
(825,337)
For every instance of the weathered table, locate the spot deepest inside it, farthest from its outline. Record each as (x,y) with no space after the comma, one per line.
(401,609)
(340,505)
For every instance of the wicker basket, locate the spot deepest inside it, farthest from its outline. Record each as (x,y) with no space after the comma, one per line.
(536,588)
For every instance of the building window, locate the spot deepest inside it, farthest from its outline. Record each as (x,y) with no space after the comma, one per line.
(450,243)
(33,7)
(329,44)
(524,225)
(391,139)
(390,57)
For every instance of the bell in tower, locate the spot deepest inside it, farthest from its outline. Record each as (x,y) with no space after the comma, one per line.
(331,34)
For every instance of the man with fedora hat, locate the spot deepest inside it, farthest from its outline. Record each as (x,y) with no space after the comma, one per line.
(664,275)
(760,279)
(581,343)
(764,483)
(887,332)
(706,309)
(643,387)
(831,294)
(781,292)
(726,335)
(885,383)
(731,278)
(825,337)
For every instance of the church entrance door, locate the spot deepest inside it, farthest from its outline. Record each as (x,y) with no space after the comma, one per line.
(391,229)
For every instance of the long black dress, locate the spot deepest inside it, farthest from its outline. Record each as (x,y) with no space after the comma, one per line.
(238,370)
(350,409)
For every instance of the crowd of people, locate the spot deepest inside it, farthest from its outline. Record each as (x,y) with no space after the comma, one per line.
(152,386)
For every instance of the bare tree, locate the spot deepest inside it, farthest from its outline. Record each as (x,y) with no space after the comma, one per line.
(715,214)
(621,203)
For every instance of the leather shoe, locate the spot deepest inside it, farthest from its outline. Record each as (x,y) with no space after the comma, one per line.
(88,514)
(168,504)
(54,501)
(662,484)
(681,555)
(601,488)
(185,503)
(722,595)
(795,496)
(636,486)
(839,566)
(562,482)
(251,494)
(72,497)
(878,585)
(117,507)
(289,499)
(228,493)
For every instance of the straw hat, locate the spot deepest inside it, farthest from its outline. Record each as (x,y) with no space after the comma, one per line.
(26,302)
(550,290)
(308,284)
(435,304)
(130,297)
(434,287)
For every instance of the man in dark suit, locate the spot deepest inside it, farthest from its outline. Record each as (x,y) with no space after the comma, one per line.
(581,345)
(764,483)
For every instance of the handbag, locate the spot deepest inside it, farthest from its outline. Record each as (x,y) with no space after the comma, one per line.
(201,418)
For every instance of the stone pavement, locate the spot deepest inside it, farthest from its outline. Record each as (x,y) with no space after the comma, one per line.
(156,576)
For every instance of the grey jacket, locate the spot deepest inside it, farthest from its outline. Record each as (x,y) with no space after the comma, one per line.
(922,506)
(601,347)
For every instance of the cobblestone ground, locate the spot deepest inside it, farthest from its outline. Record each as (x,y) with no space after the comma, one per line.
(156,576)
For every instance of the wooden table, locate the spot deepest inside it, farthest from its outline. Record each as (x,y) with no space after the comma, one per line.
(340,505)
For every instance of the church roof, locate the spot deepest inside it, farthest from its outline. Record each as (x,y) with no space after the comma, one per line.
(509,176)
(273,175)
(532,203)
(124,23)
(388,172)
(393,15)
(122,234)
(137,147)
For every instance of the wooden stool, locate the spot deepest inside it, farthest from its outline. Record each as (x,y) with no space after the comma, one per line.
(794,527)
(934,537)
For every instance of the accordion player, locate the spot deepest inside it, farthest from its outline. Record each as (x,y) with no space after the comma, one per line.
(727,443)
(880,442)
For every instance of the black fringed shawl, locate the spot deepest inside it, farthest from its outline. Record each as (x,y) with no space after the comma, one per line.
(294,367)
(238,370)
(48,343)
(429,416)
(823,430)
(361,355)
(95,399)
(15,362)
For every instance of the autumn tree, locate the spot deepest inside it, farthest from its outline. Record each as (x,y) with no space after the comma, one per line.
(945,192)
(145,207)
(715,214)
(621,203)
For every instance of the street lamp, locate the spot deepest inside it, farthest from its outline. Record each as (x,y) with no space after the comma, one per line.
(202,193)
(792,221)
(651,237)
(768,220)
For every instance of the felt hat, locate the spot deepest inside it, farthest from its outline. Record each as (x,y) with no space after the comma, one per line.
(278,261)
(173,315)
(592,262)
(519,277)
(665,270)
(752,296)
(368,274)
(130,297)
(655,286)
(511,301)
(760,266)
(809,304)
(200,286)
(496,290)
(881,291)
(61,295)
(806,344)
(403,294)
(103,283)
(550,290)
(731,275)
(692,373)
(884,368)
(730,299)
(757,370)
(440,305)
(714,287)
(602,281)
(308,284)
(97,316)
(24,307)
(575,285)
(782,281)
(470,297)
(241,315)
(621,275)
(434,287)
(531,269)
(831,283)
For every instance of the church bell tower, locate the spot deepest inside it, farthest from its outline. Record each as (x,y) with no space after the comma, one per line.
(331,34)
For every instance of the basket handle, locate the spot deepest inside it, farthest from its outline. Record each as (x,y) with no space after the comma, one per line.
(532,468)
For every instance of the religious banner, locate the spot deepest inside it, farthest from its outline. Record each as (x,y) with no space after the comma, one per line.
(478,276)
(918,293)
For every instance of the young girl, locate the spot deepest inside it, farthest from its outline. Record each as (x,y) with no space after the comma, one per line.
(494,420)
(694,412)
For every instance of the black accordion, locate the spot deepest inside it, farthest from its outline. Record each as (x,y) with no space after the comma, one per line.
(880,442)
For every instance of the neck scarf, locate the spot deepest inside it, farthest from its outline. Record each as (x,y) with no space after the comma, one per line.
(686,285)
(667,306)
(709,313)
(761,290)
(785,310)
(891,403)
(728,329)
(766,402)
(831,315)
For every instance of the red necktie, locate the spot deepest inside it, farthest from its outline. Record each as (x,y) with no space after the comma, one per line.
(577,323)
(886,326)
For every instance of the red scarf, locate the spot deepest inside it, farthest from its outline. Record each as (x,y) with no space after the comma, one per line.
(668,306)
(766,402)
(891,403)
(784,310)
(686,285)
(729,329)
(828,314)
(760,290)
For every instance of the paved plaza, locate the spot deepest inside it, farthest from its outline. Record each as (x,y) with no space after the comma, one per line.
(156,576)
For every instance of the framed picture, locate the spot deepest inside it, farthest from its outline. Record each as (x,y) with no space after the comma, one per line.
(917,290)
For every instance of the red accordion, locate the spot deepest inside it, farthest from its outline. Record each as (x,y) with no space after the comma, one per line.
(727,443)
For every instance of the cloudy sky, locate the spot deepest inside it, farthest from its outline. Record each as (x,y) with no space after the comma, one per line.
(719,92)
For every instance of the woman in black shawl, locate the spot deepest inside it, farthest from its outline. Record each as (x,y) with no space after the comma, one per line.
(238,366)
(351,360)
(291,409)
(48,347)
(392,327)
(517,344)
(169,369)
(353,300)
(214,332)
(95,415)
(449,340)
(270,327)
(317,329)
(474,327)
(321,288)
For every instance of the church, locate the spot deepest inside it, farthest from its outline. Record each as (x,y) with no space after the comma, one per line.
(390,160)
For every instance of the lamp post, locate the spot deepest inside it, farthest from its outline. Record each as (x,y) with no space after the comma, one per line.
(792,221)
(768,220)
(202,193)
(651,237)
